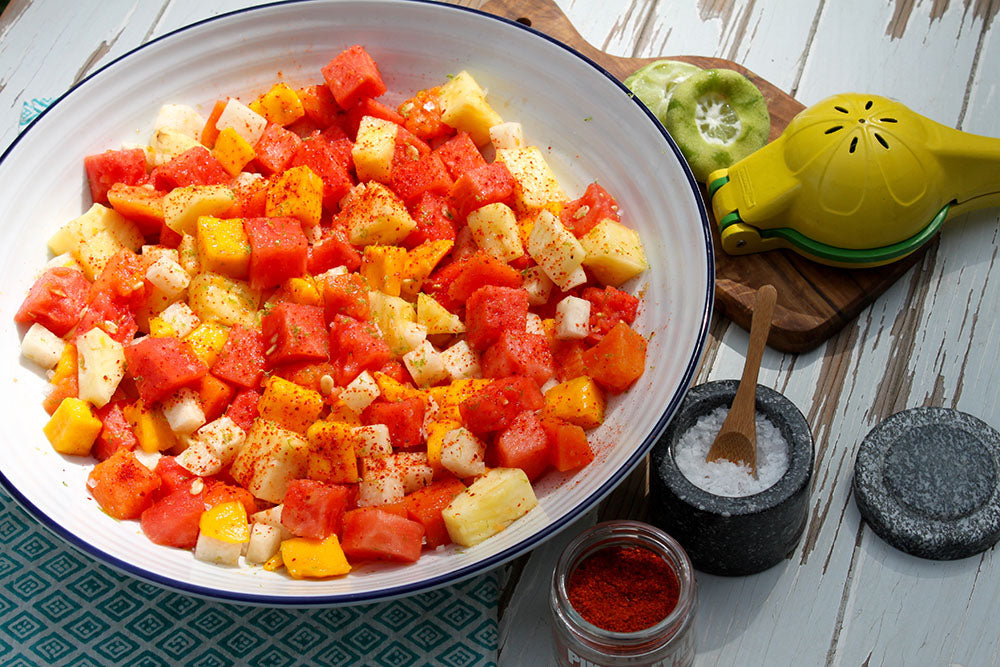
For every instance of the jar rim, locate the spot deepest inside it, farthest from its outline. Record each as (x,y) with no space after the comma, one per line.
(627,533)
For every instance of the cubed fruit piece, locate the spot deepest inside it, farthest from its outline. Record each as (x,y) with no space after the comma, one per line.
(199,459)
(460,154)
(374,149)
(461,362)
(435,218)
(224,437)
(276,148)
(371,440)
(414,176)
(618,360)
(374,534)
(462,453)
(306,558)
(491,310)
(271,458)
(55,301)
(464,107)
(345,294)
(217,552)
(116,433)
(73,427)
(317,154)
(278,250)
(265,542)
(568,446)
(332,251)
(222,246)
(488,184)
(297,193)
(519,353)
(382,266)
(360,393)
(95,237)
(226,522)
(294,332)
(150,427)
(280,105)
(579,401)
(568,357)
(381,482)
(608,307)
(495,229)
(111,167)
(481,270)
(614,252)
(572,318)
(425,365)
(581,215)
(183,206)
(289,405)
(420,263)
(243,409)
(524,444)
(313,509)
(433,315)
(333,453)
(122,486)
(160,366)
(166,144)
(534,183)
(494,407)
(168,278)
(493,502)
(376,215)
(183,411)
(556,250)
(353,75)
(142,204)
(414,470)
(241,359)
(356,349)
(223,300)
(424,506)
(243,120)
(194,166)
(173,519)
(404,419)
(319,105)
(233,151)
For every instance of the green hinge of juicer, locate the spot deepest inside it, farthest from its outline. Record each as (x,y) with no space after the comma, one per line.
(854,181)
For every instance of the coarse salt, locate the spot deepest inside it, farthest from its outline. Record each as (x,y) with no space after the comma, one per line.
(725,478)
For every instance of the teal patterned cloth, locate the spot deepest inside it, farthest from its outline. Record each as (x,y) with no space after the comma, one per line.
(61,607)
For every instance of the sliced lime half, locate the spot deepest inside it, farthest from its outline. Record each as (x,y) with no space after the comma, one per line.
(654,83)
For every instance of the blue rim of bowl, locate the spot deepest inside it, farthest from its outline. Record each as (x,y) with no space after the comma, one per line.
(455,576)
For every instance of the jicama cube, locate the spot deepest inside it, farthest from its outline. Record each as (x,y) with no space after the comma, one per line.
(101,367)
(167,143)
(361,392)
(572,318)
(462,453)
(557,251)
(537,284)
(272,517)
(224,437)
(265,542)
(614,252)
(41,346)
(461,361)
(169,277)
(425,365)
(183,411)
(245,121)
(436,318)
(507,135)
(413,470)
(534,325)
(381,482)
(372,440)
(488,506)
(199,458)
(179,117)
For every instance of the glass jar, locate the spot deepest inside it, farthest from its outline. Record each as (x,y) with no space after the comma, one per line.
(668,643)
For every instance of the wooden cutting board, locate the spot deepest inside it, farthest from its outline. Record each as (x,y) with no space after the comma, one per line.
(814,301)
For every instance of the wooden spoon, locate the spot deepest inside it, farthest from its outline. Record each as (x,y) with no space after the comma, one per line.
(737,439)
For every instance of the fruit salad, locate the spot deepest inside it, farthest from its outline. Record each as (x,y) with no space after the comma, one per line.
(315,329)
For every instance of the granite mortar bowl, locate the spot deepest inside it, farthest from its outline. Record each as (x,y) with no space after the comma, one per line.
(742,535)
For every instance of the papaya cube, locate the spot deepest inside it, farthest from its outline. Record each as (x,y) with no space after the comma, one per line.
(73,427)
(374,149)
(618,360)
(614,252)
(464,107)
(307,558)
(579,401)
(271,457)
(150,426)
(332,458)
(534,183)
(222,246)
(281,105)
(289,405)
(382,266)
(376,215)
(183,206)
(296,193)
(232,151)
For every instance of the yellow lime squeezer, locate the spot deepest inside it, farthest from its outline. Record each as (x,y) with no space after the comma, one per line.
(854,181)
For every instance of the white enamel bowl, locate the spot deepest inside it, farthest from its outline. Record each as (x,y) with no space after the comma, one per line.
(579,115)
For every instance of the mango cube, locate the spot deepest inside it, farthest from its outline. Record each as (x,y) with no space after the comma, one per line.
(226,522)
(464,107)
(233,151)
(303,291)
(280,105)
(420,263)
(290,405)
(579,401)
(382,266)
(183,206)
(150,426)
(314,559)
(73,427)
(207,341)
(296,193)
(222,246)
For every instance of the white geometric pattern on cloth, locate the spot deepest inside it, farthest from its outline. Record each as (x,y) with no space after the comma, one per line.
(60,607)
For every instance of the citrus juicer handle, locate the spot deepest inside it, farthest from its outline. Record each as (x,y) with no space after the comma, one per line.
(973,165)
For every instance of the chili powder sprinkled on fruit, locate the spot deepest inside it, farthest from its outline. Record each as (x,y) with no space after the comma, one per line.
(623,589)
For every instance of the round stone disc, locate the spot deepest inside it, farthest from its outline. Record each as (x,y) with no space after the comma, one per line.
(927,481)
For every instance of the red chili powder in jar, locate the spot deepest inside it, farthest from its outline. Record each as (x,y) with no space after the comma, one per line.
(623,589)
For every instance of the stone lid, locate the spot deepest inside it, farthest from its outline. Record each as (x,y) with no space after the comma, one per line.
(927,480)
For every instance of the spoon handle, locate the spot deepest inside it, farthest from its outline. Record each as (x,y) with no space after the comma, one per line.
(759,328)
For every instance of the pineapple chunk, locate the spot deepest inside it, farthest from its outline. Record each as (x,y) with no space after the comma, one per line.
(557,251)
(493,502)
(271,457)
(180,318)
(425,365)
(572,318)
(372,152)
(314,559)
(245,121)
(168,277)
(41,346)
(396,318)
(376,215)
(534,183)
(495,229)
(182,206)
(289,405)
(167,143)
(436,317)
(179,117)
(73,427)
(413,470)
(216,298)
(462,453)
(614,252)
(101,366)
(95,237)
(464,107)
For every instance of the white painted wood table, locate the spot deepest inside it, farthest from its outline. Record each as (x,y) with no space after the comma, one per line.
(844,597)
